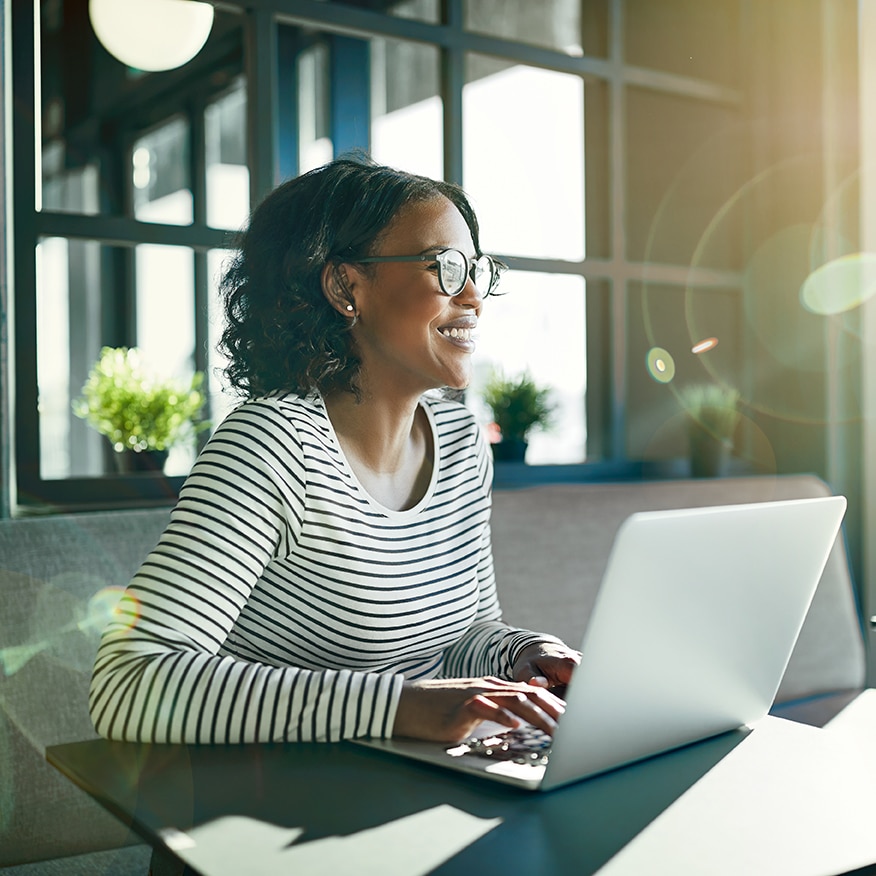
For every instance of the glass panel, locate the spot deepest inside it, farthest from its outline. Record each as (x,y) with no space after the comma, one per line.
(553,24)
(522,331)
(685,171)
(90,106)
(227,171)
(394,84)
(72,190)
(160,174)
(221,399)
(597,163)
(676,337)
(72,321)
(406,108)
(314,137)
(166,321)
(687,37)
(68,172)
(68,342)
(523,158)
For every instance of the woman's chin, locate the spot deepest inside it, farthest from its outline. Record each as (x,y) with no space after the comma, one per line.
(459,385)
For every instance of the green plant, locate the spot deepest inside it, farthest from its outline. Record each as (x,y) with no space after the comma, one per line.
(518,405)
(137,409)
(713,408)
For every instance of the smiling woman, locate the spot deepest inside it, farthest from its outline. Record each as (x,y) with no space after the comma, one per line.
(328,572)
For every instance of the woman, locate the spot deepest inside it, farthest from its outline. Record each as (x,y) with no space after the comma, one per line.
(327,571)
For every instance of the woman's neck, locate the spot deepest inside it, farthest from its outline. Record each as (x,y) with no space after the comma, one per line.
(388,444)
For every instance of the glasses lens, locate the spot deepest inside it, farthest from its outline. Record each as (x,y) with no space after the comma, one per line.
(483,275)
(453,268)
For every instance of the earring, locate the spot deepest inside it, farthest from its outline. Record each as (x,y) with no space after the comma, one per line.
(350,307)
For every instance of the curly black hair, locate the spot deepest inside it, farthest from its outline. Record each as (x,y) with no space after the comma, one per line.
(281,332)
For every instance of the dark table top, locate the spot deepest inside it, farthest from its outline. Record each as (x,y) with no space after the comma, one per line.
(336,808)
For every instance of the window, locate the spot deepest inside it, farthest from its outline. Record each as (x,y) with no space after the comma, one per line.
(579,144)
(135,176)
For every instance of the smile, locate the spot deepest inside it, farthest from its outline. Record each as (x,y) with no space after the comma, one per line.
(460,334)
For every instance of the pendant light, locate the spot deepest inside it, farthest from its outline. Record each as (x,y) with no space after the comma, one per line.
(151,34)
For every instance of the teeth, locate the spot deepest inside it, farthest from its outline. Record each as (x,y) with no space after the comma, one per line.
(462,334)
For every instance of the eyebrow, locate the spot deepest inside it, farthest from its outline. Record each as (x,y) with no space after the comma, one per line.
(442,247)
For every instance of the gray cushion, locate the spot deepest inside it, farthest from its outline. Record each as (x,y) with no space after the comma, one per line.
(130,861)
(551,546)
(59,577)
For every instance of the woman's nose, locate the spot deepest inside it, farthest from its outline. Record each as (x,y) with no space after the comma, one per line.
(469,294)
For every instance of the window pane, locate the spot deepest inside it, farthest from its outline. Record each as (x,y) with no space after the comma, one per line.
(523,162)
(553,24)
(675,320)
(68,343)
(523,331)
(72,190)
(67,169)
(221,401)
(71,326)
(160,174)
(685,165)
(166,321)
(687,37)
(314,137)
(406,109)
(89,107)
(227,171)
(376,95)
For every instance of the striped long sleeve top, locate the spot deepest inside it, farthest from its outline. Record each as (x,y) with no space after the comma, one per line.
(284,603)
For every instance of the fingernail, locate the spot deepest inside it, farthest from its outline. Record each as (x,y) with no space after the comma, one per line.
(539,680)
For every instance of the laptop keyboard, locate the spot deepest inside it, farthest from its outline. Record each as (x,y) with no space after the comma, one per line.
(525,745)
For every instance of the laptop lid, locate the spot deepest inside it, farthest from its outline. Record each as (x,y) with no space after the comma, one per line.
(692,628)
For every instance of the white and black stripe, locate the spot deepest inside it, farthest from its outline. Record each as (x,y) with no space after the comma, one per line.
(283,602)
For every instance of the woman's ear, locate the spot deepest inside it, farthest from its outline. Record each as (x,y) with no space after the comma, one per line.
(337,289)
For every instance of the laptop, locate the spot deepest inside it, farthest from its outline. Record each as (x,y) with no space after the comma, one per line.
(690,634)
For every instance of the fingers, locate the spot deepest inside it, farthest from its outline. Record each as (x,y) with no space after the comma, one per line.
(511,706)
(484,709)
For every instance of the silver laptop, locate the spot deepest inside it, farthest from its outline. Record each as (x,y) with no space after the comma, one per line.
(692,629)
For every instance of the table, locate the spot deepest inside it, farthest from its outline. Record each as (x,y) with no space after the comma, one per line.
(783,797)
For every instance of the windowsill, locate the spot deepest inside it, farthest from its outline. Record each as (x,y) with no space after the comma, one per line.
(510,475)
(150,490)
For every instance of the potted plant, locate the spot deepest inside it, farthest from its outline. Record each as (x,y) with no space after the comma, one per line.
(143,414)
(518,405)
(712,412)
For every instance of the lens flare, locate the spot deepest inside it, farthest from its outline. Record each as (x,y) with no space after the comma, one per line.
(111,604)
(704,345)
(14,657)
(660,364)
(840,285)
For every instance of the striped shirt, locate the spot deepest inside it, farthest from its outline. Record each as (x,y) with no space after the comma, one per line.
(284,603)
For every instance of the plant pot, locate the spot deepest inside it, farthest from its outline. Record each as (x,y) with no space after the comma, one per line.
(708,454)
(513,450)
(146,461)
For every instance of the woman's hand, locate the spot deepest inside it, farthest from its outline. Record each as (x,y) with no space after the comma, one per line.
(448,710)
(546,664)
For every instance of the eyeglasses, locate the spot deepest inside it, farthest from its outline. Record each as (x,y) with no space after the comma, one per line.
(454,268)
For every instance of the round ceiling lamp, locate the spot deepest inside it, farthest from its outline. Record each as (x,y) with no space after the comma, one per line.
(151,35)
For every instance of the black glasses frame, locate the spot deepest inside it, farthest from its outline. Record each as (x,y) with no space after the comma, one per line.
(495,268)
